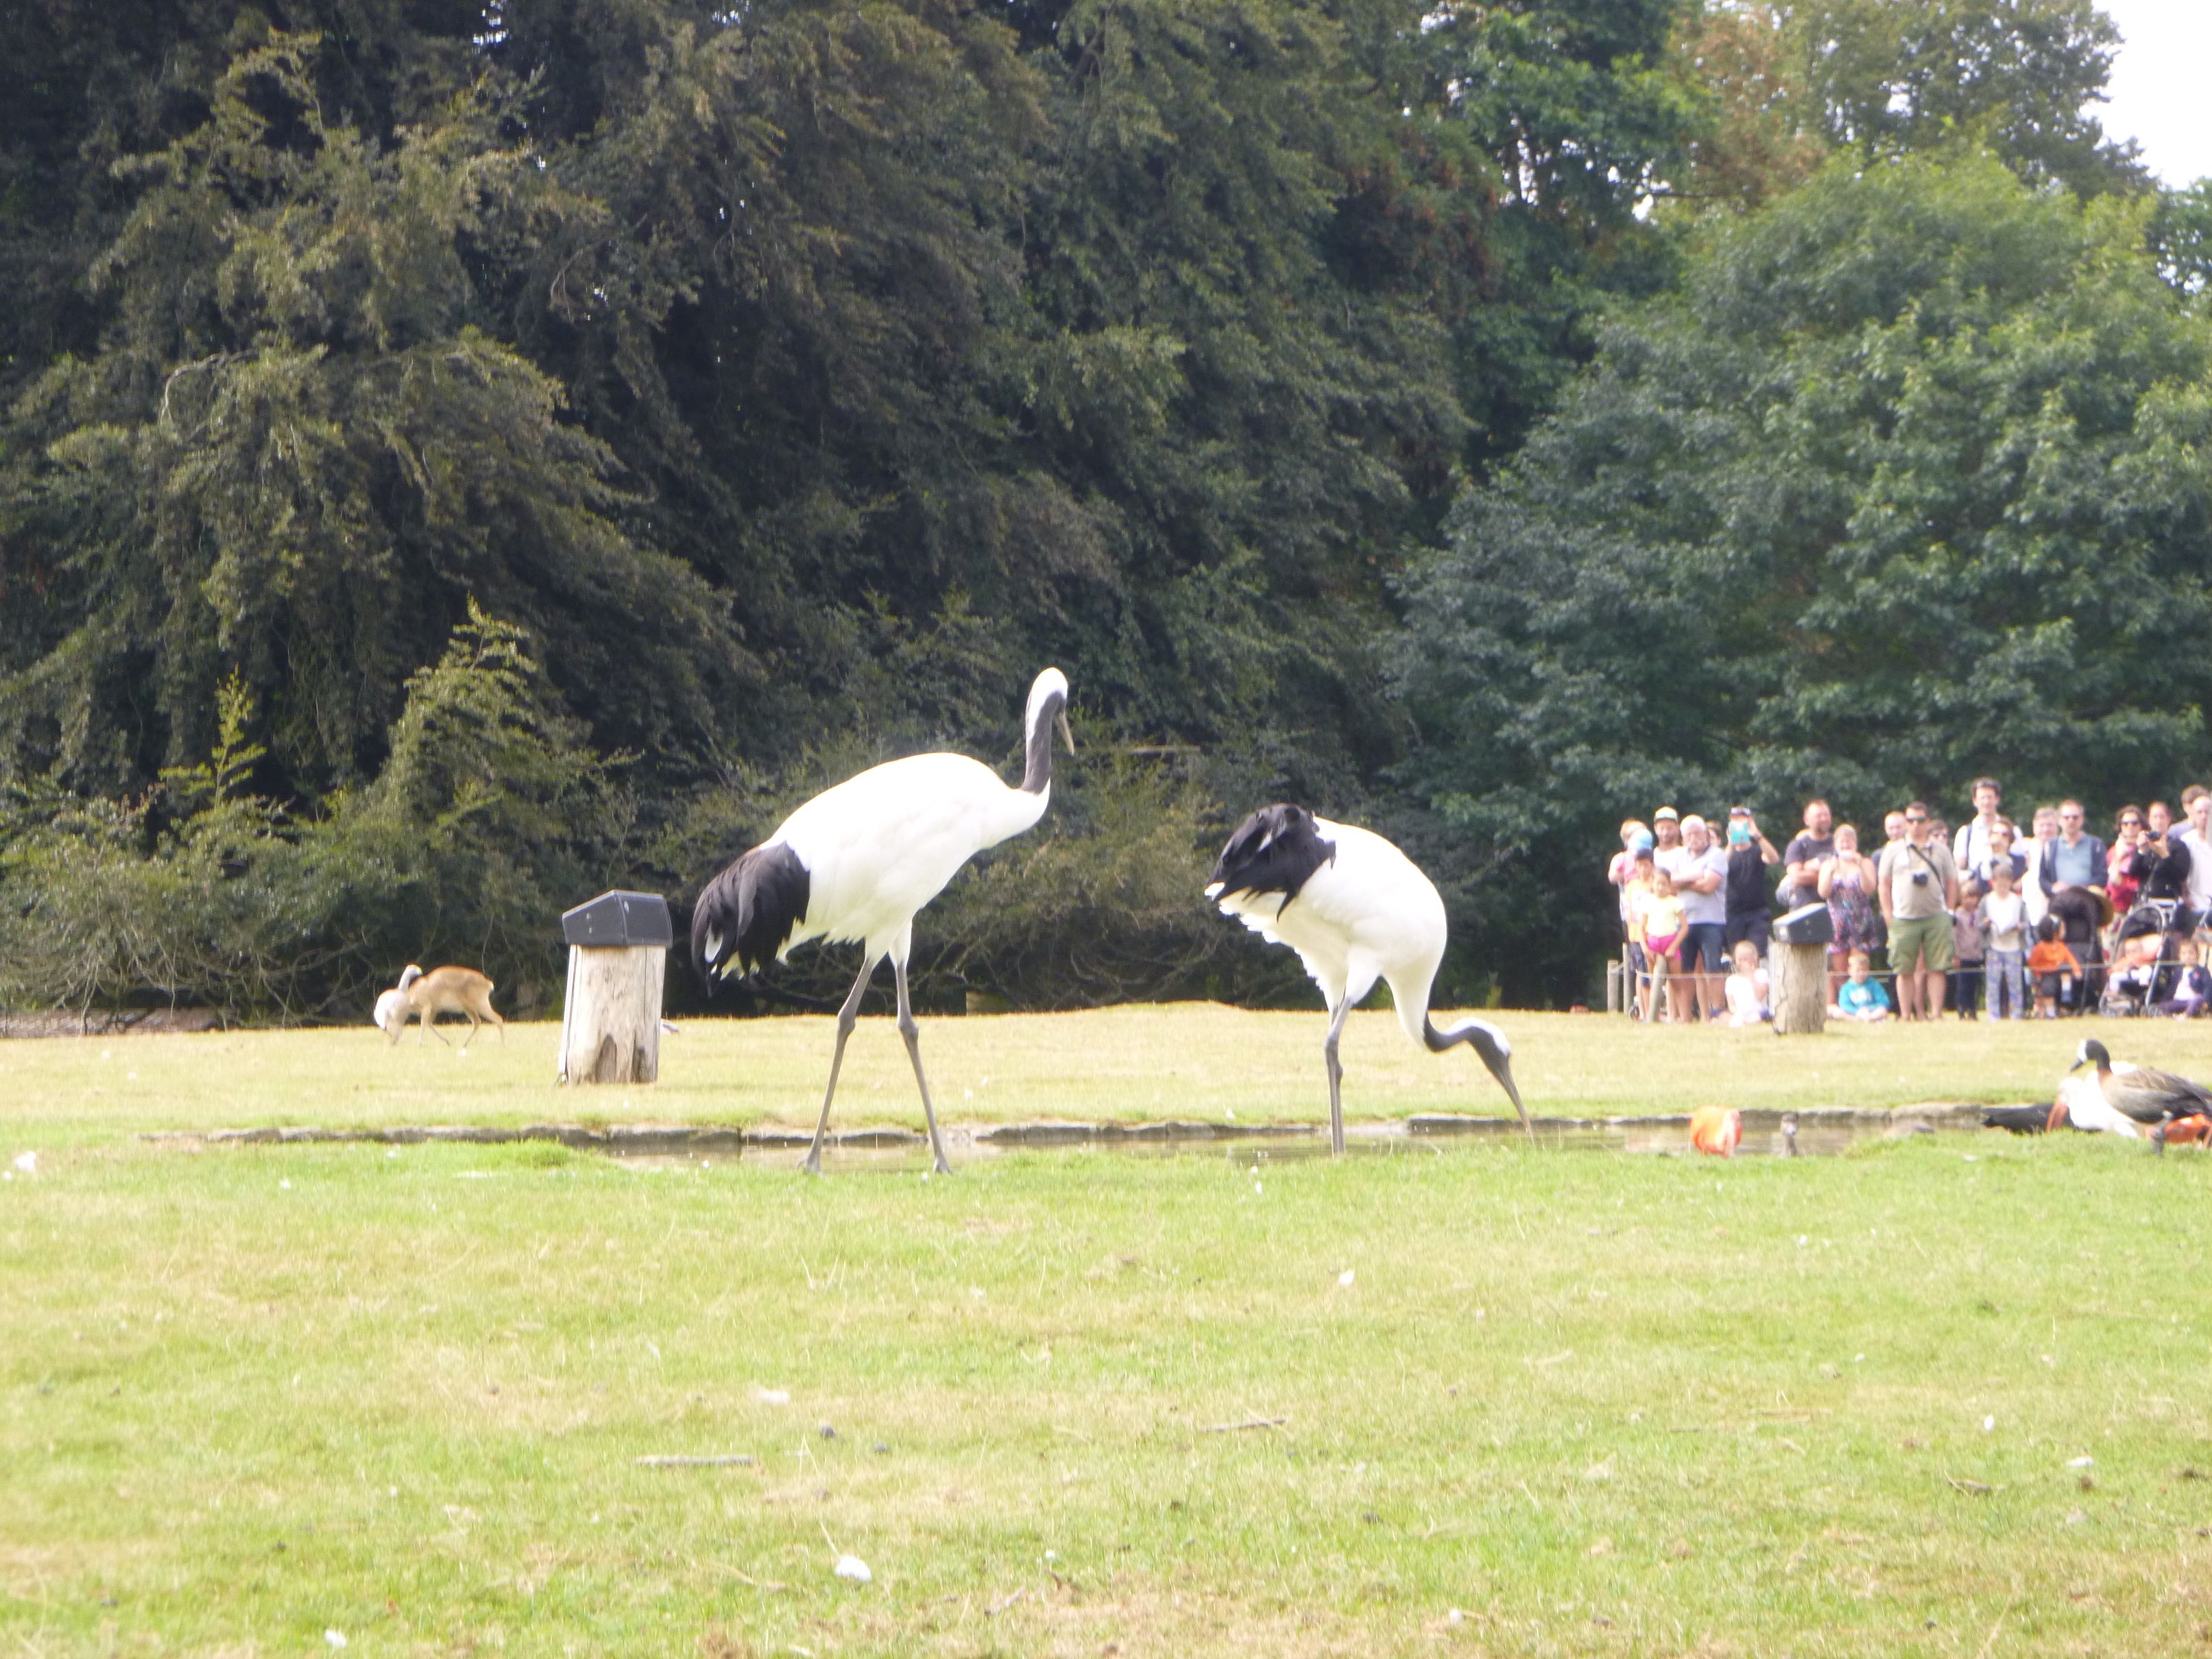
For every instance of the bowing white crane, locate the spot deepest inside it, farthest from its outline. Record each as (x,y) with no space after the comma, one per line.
(1356,909)
(856,863)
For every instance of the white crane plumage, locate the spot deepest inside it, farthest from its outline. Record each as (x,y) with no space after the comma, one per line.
(856,863)
(2104,1096)
(1356,909)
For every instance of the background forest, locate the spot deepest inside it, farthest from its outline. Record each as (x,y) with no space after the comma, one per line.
(459,457)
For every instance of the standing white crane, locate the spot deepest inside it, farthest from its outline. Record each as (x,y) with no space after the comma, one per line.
(856,863)
(1356,909)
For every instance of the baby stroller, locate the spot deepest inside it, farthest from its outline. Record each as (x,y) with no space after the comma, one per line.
(2152,918)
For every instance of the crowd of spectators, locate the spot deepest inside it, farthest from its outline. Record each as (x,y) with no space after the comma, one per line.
(2058,922)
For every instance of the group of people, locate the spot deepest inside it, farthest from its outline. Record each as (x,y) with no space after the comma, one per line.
(1980,916)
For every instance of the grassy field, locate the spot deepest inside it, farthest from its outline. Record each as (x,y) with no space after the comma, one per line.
(1189,1060)
(1493,1401)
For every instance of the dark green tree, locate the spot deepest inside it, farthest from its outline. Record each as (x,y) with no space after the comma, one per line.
(300,447)
(1909,482)
(2022,78)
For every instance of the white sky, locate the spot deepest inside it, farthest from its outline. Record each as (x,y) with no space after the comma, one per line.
(2158,89)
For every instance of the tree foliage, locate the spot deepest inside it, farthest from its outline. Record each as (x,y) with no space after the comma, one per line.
(751,393)
(1791,81)
(1909,482)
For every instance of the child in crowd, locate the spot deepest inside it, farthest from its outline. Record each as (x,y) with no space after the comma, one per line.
(1968,943)
(2054,968)
(2192,985)
(1634,897)
(1663,941)
(2134,972)
(1747,987)
(1862,998)
(2003,916)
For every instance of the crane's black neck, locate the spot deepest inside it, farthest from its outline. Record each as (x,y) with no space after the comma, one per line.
(1037,777)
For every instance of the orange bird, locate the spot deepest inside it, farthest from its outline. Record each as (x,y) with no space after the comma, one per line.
(2183,1130)
(1715,1130)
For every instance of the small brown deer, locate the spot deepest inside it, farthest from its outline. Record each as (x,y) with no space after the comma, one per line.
(441,991)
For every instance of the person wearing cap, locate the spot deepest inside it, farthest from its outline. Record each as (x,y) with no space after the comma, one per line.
(1666,829)
(1749,855)
(1635,837)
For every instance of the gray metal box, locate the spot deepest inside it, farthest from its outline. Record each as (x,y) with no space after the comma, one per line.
(618,919)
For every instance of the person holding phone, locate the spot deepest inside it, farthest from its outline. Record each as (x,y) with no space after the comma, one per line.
(1750,855)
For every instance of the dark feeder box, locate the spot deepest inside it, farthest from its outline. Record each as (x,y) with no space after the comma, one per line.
(618,964)
(1797,963)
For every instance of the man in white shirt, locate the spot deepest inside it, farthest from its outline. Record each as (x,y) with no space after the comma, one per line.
(1699,869)
(1970,848)
(2038,849)
(2196,804)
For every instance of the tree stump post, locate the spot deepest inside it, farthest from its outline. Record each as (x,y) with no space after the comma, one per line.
(1797,970)
(617,962)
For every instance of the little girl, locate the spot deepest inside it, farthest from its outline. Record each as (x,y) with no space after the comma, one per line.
(1746,989)
(1969,946)
(2192,987)
(1662,940)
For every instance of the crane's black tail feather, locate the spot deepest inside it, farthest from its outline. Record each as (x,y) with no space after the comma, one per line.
(1276,850)
(746,914)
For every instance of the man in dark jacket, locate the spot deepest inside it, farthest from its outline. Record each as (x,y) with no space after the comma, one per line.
(1749,855)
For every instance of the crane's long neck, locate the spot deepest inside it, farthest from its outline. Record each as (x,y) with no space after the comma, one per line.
(1036,775)
(1411,1003)
(1488,1042)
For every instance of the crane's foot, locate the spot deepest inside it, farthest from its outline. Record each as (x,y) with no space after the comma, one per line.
(813,1164)
(943,1168)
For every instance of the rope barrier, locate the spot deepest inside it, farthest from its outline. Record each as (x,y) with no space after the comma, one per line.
(1641,980)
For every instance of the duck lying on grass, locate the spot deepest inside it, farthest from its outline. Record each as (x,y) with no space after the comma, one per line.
(2117,1099)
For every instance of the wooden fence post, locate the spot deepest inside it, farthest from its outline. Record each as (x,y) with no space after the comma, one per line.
(1797,970)
(617,960)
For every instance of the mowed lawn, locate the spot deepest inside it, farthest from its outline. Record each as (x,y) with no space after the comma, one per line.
(1190,1061)
(1944,1395)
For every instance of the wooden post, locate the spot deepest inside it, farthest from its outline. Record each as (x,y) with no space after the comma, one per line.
(1798,982)
(617,962)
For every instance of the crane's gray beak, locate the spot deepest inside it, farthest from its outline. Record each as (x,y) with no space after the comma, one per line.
(1066,731)
(1501,1067)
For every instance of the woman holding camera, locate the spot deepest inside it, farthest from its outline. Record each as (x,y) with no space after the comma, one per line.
(1847,883)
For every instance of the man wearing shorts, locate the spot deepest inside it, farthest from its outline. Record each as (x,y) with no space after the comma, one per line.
(1699,869)
(1919,887)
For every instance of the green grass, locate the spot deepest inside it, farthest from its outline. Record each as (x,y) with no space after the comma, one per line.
(1588,1403)
(1188,1061)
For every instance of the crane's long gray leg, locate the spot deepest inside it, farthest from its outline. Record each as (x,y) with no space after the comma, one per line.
(1336,1017)
(847,1016)
(912,1033)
